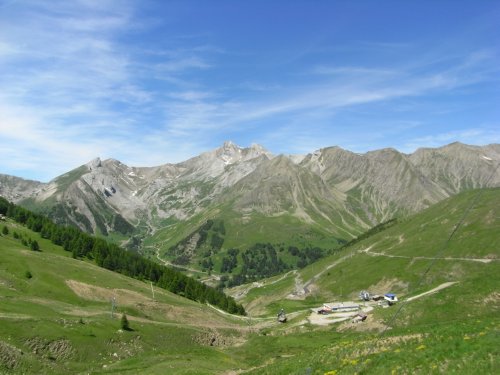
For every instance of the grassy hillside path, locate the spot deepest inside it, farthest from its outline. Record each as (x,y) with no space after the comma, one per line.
(436,289)
(302,289)
(373,253)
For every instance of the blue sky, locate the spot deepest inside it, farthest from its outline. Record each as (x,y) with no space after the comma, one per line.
(152,82)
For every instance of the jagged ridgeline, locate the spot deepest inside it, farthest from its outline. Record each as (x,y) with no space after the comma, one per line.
(206,212)
(114,258)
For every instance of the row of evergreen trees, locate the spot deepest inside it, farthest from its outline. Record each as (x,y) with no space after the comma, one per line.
(114,258)
(263,260)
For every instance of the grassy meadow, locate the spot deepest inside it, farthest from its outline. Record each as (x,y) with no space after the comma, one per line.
(55,311)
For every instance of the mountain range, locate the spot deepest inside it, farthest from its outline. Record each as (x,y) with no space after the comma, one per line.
(57,312)
(323,198)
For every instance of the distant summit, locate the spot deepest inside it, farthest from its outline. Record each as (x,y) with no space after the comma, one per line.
(333,192)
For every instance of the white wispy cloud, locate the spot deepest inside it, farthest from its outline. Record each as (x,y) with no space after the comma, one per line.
(298,112)
(352,70)
(185,63)
(72,88)
(332,94)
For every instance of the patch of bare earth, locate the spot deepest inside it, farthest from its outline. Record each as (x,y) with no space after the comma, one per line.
(389,285)
(213,337)
(7,284)
(323,320)
(492,299)
(9,356)
(369,325)
(57,349)
(96,293)
(118,349)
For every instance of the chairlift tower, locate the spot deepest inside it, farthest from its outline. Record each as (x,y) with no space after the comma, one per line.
(113,306)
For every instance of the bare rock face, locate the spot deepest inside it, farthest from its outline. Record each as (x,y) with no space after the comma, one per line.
(95,194)
(334,188)
(385,182)
(15,188)
(94,164)
(457,167)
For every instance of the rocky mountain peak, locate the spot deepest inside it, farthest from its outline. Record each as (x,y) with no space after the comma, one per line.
(455,145)
(229,152)
(258,148)
(230,146)
(94,163)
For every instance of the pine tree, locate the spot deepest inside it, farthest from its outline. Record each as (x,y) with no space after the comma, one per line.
(34,246)
(124,323)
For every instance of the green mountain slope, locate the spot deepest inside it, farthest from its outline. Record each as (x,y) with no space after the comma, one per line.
(317,200)
(447,318)
(59,319)
(395,258)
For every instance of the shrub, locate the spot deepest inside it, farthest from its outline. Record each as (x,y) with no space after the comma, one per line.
(124,323)
(34,246)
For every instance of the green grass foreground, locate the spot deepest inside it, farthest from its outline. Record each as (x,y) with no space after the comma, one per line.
(59,320)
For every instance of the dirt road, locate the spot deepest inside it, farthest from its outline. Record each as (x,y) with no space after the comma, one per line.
(436,289)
